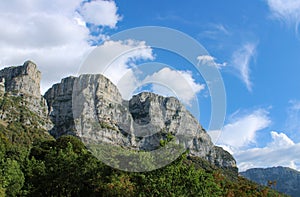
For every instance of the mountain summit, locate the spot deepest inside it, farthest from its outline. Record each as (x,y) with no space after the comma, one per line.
(91,107)
(99,141)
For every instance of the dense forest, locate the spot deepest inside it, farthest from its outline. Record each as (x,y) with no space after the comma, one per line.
(33,163)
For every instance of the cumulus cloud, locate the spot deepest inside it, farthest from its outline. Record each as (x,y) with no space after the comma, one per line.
(116,60)
(170,82)
(241,59)
(280,140)
(210,61)
(52,34)
(100,12)
(286,10)
(241,130)
(282,151)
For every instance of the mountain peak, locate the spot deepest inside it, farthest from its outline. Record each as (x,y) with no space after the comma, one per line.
(91,107)
(24,79)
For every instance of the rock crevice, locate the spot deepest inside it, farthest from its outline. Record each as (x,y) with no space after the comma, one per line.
(91,107)
(24,81)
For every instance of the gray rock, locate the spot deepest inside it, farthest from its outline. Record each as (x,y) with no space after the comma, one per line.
(59,102)
(92,108)
(24,81)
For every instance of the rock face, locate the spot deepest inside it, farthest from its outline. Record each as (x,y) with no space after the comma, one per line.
(287,180)
(59,102)
(24,81)
(91,107)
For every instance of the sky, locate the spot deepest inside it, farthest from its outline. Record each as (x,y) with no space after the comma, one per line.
(254,45)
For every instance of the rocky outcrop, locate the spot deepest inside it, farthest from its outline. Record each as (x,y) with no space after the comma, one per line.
(24,82)
(92,108)
(59,102)
(23,79)
(286,179)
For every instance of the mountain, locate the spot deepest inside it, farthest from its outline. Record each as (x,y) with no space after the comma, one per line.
(24,82)
(287,180)
(90,123)
(91,107)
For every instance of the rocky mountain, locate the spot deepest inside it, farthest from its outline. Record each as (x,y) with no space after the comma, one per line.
(22,79)
(87,114)
(284,179)
(91,107)
(24,82)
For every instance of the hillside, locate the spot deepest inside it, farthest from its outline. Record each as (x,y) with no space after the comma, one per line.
(34,163)
(285,180)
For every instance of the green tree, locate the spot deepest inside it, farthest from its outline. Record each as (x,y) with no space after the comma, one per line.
(63,168)
(12,177)
(177,179)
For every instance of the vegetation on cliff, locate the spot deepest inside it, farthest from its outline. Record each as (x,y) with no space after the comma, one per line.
(32,163)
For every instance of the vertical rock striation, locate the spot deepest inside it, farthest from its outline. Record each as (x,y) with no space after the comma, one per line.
(24,81)
(91,107)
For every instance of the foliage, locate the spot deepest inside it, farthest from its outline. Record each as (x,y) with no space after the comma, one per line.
(32,163)
(12,177)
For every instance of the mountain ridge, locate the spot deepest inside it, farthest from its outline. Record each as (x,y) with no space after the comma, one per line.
(141,123)
(34,163)
(284,179)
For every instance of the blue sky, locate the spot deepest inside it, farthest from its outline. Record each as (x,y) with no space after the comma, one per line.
(255,45)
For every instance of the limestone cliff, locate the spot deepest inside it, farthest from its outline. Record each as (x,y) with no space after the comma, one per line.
(23,79)
(24,82)
(91,107)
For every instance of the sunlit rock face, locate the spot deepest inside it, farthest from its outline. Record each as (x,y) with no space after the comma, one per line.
(24,81)
(91,107)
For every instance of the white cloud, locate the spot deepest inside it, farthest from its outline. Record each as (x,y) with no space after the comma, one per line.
(116,60)
(131,51)
(210,61)
(241,62)
(241,130)
(282,151)
(177,83)
(205,58)
(286,10)
(280,140)
(52,34)
(100,12)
